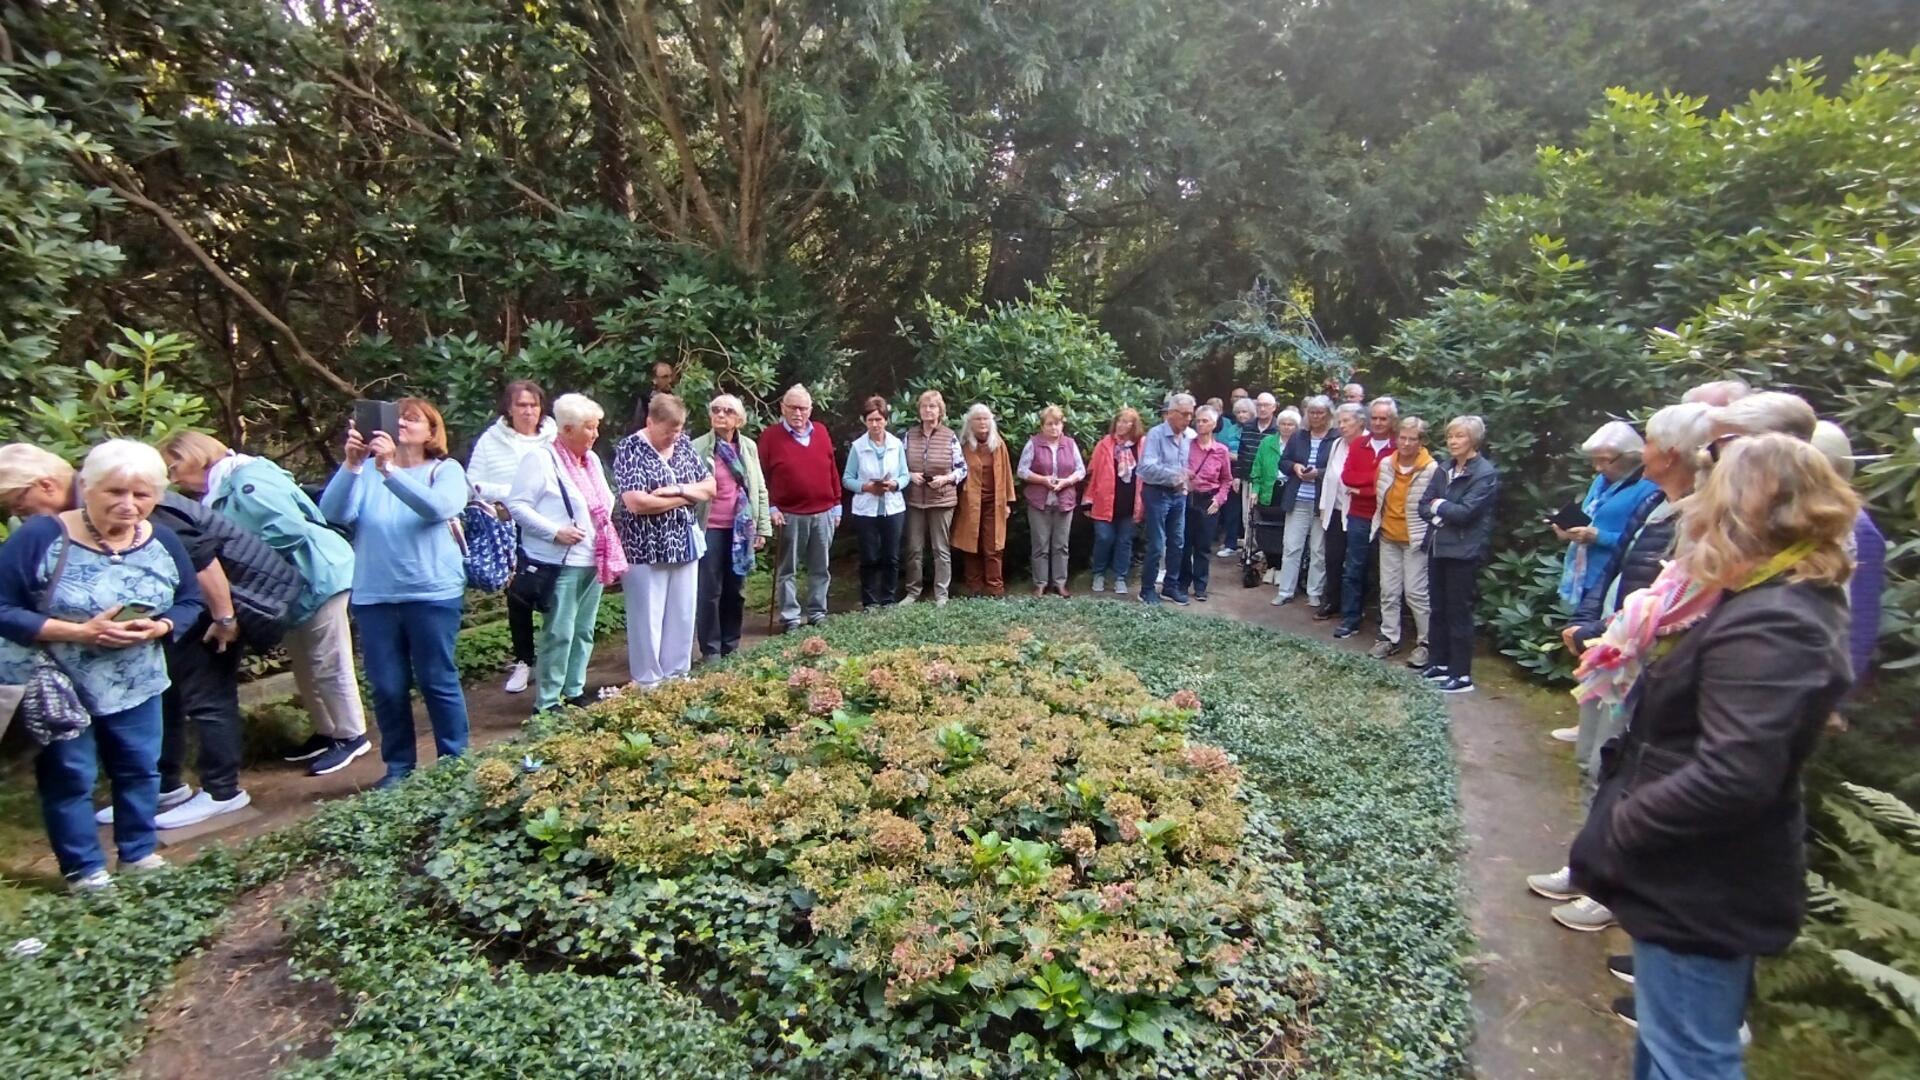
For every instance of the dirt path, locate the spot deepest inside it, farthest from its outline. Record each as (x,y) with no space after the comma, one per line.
(1540,992)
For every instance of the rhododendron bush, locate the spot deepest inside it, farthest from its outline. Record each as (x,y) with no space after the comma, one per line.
(997,856)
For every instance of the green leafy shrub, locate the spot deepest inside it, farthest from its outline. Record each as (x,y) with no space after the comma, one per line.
(1845,1001)
(881,891)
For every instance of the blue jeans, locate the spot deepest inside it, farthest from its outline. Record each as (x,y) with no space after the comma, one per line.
(1196,559)
(1113,548)
(128,744)
(1353,579)
(1166,522)
(1689,1008)
(404,645)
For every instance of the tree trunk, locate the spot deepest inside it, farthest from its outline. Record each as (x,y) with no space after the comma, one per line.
(1022,249)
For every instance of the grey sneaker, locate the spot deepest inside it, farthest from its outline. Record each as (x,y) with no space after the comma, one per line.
(1585,914)
(1099,583)
(168,800)
(1419,658)
(1555,886)
(1383,649)
(142,866)
(93,882)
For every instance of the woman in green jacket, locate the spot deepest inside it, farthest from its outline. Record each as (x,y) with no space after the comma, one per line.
(736,525)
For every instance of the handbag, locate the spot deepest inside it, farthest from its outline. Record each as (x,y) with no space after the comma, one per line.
(533,581)
(50,702)
(490,546)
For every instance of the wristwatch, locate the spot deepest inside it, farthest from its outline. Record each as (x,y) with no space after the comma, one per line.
(227,620)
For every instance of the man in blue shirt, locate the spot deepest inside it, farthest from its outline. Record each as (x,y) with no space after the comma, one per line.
(1164,480)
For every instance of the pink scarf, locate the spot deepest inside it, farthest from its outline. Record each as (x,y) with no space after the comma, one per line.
(609,561)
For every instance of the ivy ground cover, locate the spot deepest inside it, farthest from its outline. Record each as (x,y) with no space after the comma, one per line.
(996,839)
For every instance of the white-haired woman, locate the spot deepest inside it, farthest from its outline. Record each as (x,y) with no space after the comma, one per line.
(522,428)
(980,519)
(1615,496)
(737,525)
(564,508)
(96,590)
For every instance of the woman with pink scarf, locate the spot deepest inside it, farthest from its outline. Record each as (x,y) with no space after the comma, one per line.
(564,507)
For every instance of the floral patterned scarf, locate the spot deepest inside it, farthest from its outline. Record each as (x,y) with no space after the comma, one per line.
(742,555)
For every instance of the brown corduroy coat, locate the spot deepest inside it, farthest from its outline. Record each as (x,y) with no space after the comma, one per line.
(966,517)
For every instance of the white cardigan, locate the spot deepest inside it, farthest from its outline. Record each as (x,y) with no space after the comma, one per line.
(536,505)
(1334,495)
(497,454)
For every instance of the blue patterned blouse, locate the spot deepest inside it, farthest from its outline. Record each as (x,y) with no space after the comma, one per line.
(656,539)
(158,574)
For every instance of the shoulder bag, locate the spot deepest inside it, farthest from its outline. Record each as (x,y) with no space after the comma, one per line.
(533,581)
(50,702)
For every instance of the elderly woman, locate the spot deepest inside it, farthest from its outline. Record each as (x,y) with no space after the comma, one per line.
(1401,535)
(662,483)
(564,508)
(1265,493)
(1755,414)
(980,519)
(1234,434)
(261,497)
(518,431)
(96,590)
(1458,506)
(876,473)
(736,524)
(1211,469)
(1113,498)
(409,577)
(936,467)
(1675,436)
(1051,471)
(1614,497)
(1335,500)
(1735,656)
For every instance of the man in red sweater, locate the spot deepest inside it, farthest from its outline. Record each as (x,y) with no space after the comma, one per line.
(1360,474)
(796,455)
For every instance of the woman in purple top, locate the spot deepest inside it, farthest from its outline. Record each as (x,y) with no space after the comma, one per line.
(1210,468)
(1050,472)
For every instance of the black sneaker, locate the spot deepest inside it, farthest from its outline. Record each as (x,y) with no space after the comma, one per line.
(1621,967)
(338,755)
(789,627)
(1623,1011)
(1435,673)
(307,751)
(583,699)
(816,620)
(1345,631)
(1200,596)
(1179,596)
(1458,684)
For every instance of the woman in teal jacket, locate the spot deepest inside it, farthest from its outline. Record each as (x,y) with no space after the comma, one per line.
(262,498)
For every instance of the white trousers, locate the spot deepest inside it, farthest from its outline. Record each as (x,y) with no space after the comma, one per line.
(1403,567)
(320,652)
(661,602)
(1305,537)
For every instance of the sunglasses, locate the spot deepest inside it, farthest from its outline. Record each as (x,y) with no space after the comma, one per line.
(1714,447)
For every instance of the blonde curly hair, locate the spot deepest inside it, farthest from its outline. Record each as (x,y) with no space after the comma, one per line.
(1768,493)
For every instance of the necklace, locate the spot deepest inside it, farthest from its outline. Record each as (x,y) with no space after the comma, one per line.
(100,541)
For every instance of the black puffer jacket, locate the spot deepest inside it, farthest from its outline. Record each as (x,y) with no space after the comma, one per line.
(264,583)
(1636,563)
(1463,521)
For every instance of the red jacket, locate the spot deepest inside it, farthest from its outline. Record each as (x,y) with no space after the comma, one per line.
(800,479)
(1361,474)
(1100,483)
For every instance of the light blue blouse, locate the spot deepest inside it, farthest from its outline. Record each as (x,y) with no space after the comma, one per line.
(402,545)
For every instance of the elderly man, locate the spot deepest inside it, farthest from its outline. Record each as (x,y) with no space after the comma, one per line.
(1264,422)
(1164,482)
(1303,466)
(1239,394)
(1353,394)
(1361,474)
(796,455)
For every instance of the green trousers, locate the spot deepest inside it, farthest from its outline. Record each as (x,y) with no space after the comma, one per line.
(566,637)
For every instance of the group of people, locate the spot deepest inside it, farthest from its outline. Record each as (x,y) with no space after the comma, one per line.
(1725,595)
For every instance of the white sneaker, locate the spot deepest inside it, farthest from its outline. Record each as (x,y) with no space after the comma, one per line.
(1224,553)
(200,808)
(1099,583)
(1120,587)
(1584,913)
(168,800)
(93,882)
(141,866)
(1279,599)
(1566,734)
(1555,886)
(518,677)
(1160,578)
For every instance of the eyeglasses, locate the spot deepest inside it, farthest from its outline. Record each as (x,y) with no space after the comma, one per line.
(1714,447)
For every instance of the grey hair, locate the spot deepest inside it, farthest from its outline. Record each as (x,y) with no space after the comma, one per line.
(1418,425)
(1475,428)
(1242,407)
(1286,414)
(1392,406)
(1617,436)
(727,403)
(1719,393)
(23,464)
(993,427)
(1348,408)
(1209,412)
(1767,411)
(1178,401)
(1831,439)
(1682,429)
(1319,401)
(1354,386)
(573,410)
(1266,399)
(124,459)
(800,388)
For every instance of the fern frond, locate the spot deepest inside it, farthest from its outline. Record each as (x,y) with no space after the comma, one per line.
(1890,812)
(1898,991)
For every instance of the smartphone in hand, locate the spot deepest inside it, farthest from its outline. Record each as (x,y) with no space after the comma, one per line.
(372,416)
(130,612)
